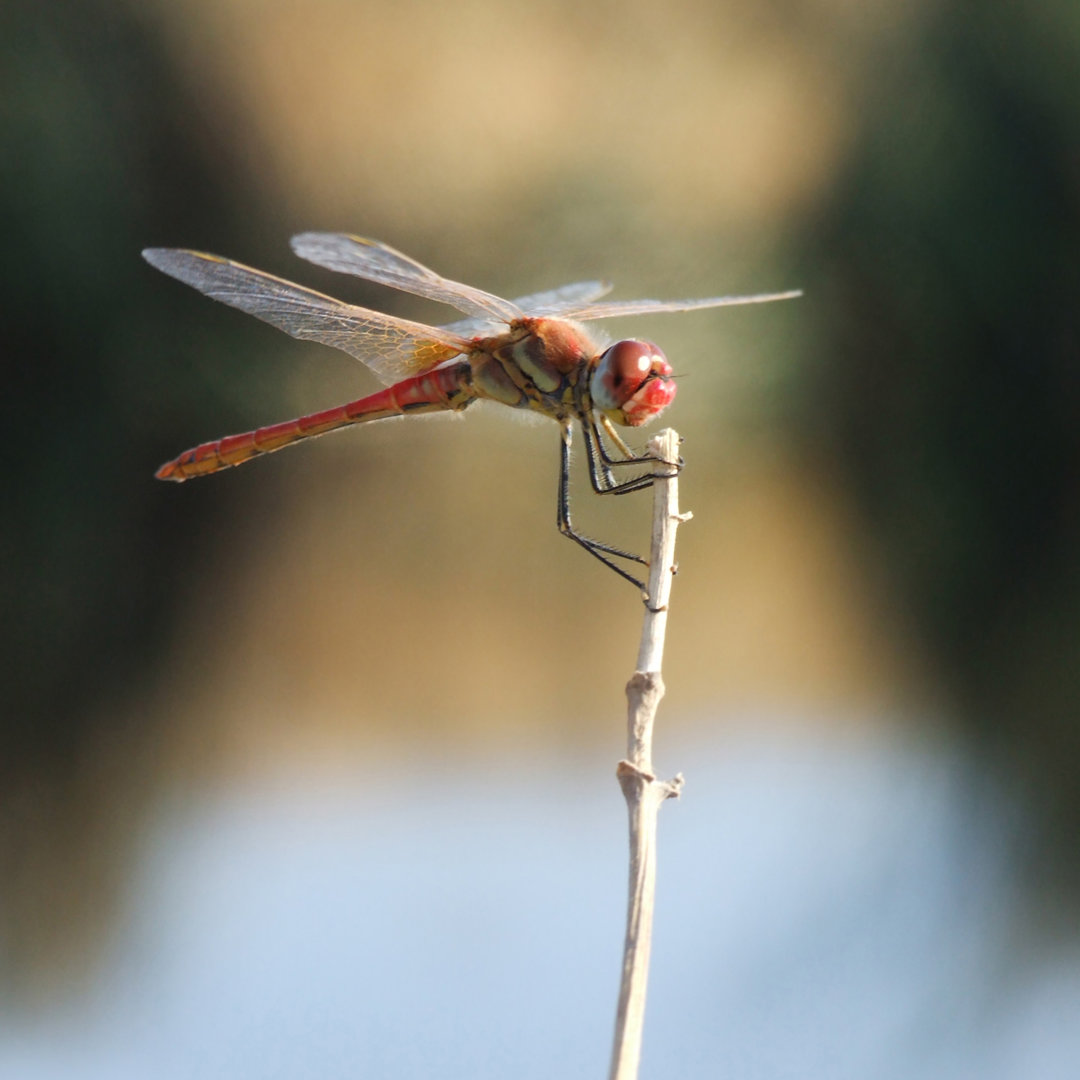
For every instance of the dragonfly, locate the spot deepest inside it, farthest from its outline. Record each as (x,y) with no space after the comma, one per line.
(532,353)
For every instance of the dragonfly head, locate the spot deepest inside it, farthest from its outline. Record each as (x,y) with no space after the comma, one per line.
(632,383)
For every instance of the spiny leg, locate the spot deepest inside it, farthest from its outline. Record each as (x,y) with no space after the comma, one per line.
(599,420)
(594,547)
(599,460)
(600,475)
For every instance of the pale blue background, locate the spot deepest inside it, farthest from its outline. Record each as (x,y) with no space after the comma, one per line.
(836,907)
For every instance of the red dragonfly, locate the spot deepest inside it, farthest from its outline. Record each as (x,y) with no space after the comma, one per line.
(530,353)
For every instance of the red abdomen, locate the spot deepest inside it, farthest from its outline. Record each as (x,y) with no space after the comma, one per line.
(435,391)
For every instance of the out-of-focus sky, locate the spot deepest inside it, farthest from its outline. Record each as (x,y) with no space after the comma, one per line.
(883,474)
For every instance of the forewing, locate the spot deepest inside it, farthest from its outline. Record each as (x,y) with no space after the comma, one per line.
(374,261)
(609,309)
(393,348)
(564,299)
(538,305)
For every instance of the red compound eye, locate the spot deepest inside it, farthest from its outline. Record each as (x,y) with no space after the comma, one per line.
(632,382)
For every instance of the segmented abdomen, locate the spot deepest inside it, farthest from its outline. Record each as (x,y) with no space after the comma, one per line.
(436,391)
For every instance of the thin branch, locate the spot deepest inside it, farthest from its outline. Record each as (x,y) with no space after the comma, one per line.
(643,792)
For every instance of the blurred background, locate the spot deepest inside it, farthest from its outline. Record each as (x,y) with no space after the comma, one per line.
(307,768)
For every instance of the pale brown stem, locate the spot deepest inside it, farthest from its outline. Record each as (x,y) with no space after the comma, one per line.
(643,792)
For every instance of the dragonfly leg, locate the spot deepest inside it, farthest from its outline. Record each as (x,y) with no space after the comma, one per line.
(595,548)
(600,463)
(600,474)
(599,420)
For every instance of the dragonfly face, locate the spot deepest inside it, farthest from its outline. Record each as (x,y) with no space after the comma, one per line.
(528,352)
(632,383)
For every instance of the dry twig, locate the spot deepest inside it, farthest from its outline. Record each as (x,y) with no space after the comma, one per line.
(643,792)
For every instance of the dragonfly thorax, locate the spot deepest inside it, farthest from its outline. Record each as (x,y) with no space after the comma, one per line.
(632,383)
(539,364)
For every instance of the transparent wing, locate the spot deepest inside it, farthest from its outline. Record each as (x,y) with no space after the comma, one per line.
(541,304)
(610,308)
(378,262)
(558,301)
(393,348)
